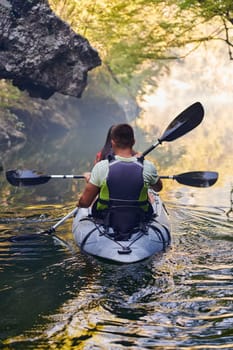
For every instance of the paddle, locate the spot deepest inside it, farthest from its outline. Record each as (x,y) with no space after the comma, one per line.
(30,177)
(195,178)
(18,177)
(181,125)
(50,231)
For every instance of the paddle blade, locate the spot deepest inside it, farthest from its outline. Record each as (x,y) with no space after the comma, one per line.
(25,178)
(197,178)
(184,122)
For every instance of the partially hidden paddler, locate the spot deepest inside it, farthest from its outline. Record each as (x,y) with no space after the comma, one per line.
(121,182)
(107,148)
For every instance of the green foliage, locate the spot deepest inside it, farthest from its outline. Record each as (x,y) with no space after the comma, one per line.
(127,34)
(8,94)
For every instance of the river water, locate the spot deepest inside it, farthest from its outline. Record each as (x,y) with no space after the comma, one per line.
(54,297)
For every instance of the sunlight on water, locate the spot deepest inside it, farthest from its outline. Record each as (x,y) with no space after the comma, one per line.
(204,77)
(54,297)
(181,299)
(190,80)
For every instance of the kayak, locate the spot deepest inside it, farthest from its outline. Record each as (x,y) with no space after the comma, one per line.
(145,241)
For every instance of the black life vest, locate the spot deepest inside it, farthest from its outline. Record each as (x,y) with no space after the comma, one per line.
(123,195)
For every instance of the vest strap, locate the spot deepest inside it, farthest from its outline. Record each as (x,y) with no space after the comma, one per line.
(122,202)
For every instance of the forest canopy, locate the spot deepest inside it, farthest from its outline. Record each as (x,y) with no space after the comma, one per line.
(129,34)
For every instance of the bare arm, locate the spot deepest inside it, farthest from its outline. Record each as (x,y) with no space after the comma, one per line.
(89,194)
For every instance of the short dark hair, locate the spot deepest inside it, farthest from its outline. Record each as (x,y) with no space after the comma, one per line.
(123,135)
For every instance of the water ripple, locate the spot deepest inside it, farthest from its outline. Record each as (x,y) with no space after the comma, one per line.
(180,300)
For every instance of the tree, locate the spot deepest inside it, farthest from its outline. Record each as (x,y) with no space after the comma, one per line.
(130,34)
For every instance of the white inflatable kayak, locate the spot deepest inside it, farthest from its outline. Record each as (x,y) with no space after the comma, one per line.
(150,238)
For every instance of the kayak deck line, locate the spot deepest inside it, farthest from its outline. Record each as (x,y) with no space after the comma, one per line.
(144,241)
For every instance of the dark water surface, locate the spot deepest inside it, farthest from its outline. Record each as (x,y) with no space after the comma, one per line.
(54,297)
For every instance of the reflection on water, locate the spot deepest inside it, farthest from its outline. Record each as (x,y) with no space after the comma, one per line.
(52,294)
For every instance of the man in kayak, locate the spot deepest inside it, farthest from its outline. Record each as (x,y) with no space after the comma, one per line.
(122,181)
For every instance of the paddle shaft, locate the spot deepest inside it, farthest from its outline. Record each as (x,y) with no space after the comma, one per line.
(172,177)
(67,176)
(69,215)
(186,121)
(194,178)
(151,148)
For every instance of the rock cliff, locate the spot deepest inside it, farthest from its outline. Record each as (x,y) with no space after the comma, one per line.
(40,53)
